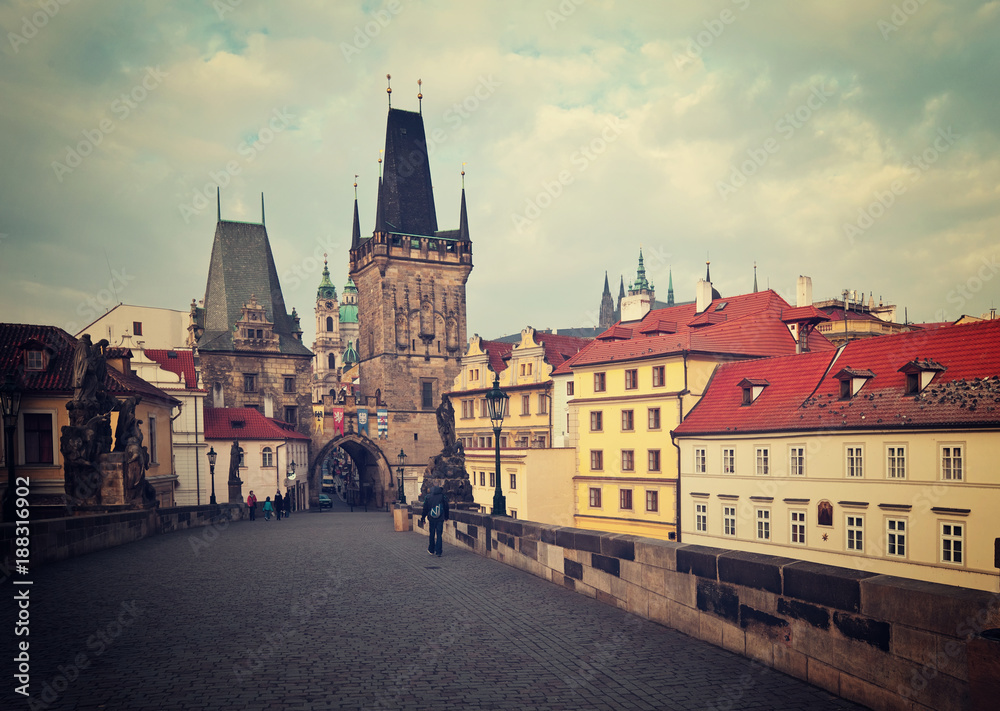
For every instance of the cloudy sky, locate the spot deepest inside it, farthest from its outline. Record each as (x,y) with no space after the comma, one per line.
(855,142)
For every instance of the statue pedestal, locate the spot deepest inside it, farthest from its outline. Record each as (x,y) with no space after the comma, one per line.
(236,492)
(112,467)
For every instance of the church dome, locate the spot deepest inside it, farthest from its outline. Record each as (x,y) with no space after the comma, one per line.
(348,313)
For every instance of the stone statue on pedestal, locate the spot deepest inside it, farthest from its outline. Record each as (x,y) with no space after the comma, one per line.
(447,469)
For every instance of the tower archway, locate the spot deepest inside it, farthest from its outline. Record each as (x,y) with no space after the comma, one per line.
(360,472)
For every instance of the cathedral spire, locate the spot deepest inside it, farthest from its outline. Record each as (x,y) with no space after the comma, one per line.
(755,277)
(463,218)
(670,288)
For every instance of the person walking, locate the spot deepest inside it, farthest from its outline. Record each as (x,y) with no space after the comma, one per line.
(288,504)
(279,505)
(435,509)
(252,505)
(268,508)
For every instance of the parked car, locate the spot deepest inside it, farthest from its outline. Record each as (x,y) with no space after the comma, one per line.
(325,502)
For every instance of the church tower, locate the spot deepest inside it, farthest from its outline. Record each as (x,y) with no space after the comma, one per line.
(411,279)
(607,315)
(327,347)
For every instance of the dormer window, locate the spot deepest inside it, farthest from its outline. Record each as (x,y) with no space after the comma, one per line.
(752,388)
(34,360)
(851,381)
(919,374)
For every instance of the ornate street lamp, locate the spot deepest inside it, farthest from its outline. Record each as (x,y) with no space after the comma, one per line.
(289,477)
(496,403)
(10,404)
(402,459)
(212,456)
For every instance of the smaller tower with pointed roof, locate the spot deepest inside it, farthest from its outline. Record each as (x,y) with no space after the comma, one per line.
(607,313)
(640,297)
(327,345)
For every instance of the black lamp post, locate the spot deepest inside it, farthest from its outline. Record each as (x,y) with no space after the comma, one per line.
(290,477)
(402,459)
(496,403)
(212,455)
(10,403)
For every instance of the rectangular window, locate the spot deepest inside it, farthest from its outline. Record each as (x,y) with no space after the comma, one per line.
(855,461)
(543,404)
(599,382)
(467,409)
(631,379)
(37,438)
(654,460)
(701,518)
(597,460)
(895,537)
(652,501)
(292,415)
(763,524)
(427,395)
(659,377)
(728,461)
(763,461)
(628,460)
(35,361)
(628,420)
(267,457)
(654,418)
(625,499)
(797,461)
(596,420)
(249,383)
(951,462)
(493,479)
(526,404)
(855,533)
(513,481)
(951,543)
(895,462)
(152,440)
(569,388)
(137,328)
(699,460)
(484,410)
(729,520)
(289,384)
(595,497)
(799,527)
(482,478)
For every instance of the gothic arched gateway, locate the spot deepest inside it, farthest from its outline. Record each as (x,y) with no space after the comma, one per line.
(368,481)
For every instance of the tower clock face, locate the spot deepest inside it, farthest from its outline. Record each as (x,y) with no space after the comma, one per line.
(329,304)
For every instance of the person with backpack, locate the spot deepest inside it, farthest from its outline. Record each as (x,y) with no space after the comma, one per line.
(268,508)
(279,505)
(252,505)
(435,509)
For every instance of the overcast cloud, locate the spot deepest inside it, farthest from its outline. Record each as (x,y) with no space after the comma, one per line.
(855,142)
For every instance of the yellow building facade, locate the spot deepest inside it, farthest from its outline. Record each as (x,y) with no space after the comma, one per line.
(867,458)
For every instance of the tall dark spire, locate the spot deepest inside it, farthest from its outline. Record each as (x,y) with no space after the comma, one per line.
(379,218)
(755,277)
(670,288)
(463,218)
(606,315)
(218,204)
(407,192)
(262,208)
(356,232)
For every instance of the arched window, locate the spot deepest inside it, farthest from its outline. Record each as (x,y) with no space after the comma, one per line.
(331,360)
(266,457)
(329,323)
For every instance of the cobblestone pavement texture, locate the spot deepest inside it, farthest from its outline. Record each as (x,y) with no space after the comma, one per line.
(336,611)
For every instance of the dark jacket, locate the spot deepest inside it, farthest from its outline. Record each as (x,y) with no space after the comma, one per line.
(435,497)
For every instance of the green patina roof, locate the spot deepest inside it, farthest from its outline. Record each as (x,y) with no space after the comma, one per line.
(350,355)
(350,286)
(326,288)
(348,313)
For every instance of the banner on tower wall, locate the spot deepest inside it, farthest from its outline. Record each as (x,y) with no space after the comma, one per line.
(383,423)
(338,420)
(363,421)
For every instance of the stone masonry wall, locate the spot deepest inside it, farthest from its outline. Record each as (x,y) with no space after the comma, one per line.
(882,641)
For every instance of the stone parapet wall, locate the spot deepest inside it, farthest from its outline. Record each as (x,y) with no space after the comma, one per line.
(54,539)
(882,641)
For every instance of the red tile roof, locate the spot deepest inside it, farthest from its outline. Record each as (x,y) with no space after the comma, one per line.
(803,313)
(224,423)
(180,362)
(57,378)
(560,348)
(804,393)
(498,352)
(747,325)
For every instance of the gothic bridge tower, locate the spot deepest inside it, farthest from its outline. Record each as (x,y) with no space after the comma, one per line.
(411,280)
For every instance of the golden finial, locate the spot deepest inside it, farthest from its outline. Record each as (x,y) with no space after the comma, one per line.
(463,176)
(380,163)
(420,97)
(355,186)
(388,90)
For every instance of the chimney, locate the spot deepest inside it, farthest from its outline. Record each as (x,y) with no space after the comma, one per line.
(636,306)
(702,295)
(804,291)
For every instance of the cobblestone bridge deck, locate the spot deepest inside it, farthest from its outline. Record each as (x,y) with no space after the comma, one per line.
(336,611)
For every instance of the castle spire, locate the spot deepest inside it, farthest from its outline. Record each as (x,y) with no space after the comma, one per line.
(463,218)
(670,288)
(755,277)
